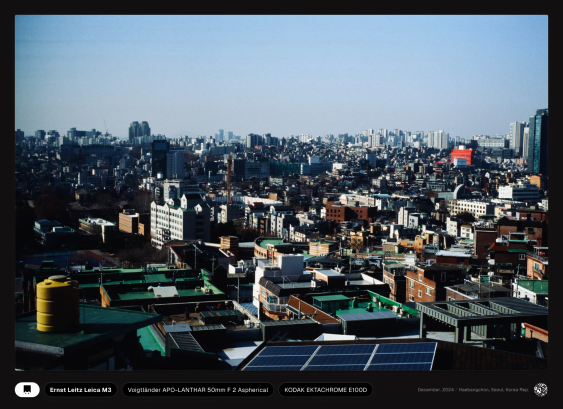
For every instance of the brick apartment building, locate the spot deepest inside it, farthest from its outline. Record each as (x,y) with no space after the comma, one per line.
(533,229)
(482,240)
(347,213)
(394,275)
(130,221)
(425,284)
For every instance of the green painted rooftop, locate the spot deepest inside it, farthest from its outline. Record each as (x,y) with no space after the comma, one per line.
(273,241)
(97,324)
(149,341)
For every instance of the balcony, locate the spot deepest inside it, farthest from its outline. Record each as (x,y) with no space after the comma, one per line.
(277,308)
(537,256)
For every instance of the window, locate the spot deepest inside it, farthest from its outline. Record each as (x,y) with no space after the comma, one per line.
(420,277)
(419,293)
(521,257)
(411,283)
(428,291)
(411,297)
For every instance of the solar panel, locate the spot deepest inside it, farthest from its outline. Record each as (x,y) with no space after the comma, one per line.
(280,360)
(402,358)
(346,349)
(407,348)
(416,356)
(400,367)
(293,350)
(340,360)
(334,368)
(273,368)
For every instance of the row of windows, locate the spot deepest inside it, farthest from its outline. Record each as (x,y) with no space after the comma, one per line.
(428,290)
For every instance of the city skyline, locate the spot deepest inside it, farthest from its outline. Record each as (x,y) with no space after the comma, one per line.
(284,75)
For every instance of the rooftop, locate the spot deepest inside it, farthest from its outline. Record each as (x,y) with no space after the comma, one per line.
(536,286)
(447,355)
(97,324)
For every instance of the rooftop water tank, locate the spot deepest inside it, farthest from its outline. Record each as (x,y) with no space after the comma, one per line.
(57,304)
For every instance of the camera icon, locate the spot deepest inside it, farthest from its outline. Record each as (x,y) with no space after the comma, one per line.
(27,389)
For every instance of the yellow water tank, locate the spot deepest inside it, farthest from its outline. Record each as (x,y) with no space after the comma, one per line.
(57,304)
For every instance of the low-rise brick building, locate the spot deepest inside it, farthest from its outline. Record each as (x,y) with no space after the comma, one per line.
(428,283)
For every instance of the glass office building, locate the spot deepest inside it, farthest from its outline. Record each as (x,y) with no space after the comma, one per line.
(538,143)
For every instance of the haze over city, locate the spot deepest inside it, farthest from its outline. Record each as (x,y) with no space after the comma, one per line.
(284,75)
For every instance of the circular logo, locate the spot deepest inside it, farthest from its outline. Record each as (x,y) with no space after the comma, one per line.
(540,389)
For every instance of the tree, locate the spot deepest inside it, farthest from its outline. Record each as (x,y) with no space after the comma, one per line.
(51,206)
(142,202)
(466,217)
(25,217)
(136,152)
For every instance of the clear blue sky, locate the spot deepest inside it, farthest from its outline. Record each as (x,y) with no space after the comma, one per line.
(286,75)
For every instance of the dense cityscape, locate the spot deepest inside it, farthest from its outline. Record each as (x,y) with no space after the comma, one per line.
(237,209)
(218,252)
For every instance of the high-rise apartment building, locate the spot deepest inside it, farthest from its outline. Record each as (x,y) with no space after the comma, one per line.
(438,140)
(19,135)
(253,140)
(145,129)
(138,129)
(175,164)
(538,143)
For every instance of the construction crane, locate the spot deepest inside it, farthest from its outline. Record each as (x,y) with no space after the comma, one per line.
(229,178)
(107,134)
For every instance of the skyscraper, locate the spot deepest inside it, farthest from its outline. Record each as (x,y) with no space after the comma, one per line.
(538,143)
(145,129)
(160,148)
(136,129)
(525,142)
(133,130)
(517,137)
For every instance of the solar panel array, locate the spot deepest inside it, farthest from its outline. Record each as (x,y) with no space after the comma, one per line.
(416,356)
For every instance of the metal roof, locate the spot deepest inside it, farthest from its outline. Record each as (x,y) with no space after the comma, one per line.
(288,322)
(483,311)
(335,297)
(185,340)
